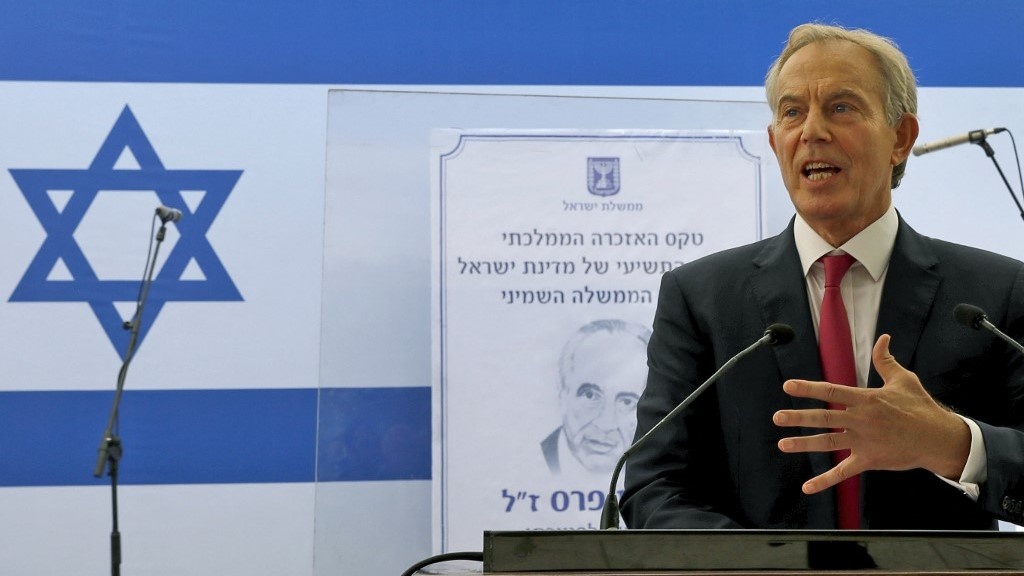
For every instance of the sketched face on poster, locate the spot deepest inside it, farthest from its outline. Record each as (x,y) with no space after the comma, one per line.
(602,371)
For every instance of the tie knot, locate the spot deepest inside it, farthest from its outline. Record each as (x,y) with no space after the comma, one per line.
(836,267)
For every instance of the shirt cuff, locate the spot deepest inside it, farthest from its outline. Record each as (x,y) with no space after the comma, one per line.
(976,470)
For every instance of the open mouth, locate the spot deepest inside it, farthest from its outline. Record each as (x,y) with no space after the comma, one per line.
(818,171)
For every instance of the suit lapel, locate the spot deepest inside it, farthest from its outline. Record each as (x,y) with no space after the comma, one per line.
(781,292)
(907,297)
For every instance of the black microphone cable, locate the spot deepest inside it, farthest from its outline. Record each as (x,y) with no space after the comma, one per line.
(446,557)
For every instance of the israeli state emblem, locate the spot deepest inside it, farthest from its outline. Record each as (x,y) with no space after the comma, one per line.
(603,176)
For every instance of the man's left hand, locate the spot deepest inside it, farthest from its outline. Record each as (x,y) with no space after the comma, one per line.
(895,427)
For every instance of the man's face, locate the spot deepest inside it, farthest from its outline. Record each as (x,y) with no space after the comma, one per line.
(833,142)
(599,398)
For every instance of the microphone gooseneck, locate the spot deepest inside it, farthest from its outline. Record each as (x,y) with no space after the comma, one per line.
(972,137)
(775,335)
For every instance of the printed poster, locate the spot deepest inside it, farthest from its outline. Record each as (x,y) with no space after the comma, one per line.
(548,251)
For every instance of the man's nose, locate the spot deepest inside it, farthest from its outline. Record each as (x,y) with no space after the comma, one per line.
(816,128)
(606,419)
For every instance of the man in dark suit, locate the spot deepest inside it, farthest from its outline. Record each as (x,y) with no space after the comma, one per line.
(933,423)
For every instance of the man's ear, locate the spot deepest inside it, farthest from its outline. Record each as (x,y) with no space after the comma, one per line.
(907,128)
(771,138)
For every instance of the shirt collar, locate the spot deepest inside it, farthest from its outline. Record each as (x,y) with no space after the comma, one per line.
(871,246)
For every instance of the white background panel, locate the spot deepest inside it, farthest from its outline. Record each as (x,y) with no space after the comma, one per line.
(372,527)
(204,530)
(956,194)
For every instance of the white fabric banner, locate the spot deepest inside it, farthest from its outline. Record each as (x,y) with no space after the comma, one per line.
(549,247)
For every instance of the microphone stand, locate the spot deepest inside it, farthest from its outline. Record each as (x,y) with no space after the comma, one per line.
(992,154)
(110,449)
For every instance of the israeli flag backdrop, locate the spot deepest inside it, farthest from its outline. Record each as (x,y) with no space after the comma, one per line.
(277,414)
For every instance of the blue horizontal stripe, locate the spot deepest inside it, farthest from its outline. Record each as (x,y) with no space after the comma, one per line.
(374,434)
(584,42)
(216,436)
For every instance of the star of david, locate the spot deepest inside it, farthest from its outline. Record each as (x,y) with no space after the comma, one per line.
(151,176)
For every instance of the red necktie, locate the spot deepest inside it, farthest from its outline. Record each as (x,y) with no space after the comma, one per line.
(835,345)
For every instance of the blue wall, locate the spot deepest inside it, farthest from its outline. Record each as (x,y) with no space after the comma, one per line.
(577,42)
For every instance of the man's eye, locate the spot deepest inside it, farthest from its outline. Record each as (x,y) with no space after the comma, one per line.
(627,401)
(842,108)
(589,392)
(789,112)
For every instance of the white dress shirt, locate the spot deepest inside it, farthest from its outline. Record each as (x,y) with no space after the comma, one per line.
(862,296)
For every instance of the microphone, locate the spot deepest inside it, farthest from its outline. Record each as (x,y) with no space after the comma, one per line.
(775,335)
(168,214)
(974,317)
(973,137)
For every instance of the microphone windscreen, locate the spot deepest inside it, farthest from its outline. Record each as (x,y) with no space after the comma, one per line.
(780,334)
(168,214)
(968,315)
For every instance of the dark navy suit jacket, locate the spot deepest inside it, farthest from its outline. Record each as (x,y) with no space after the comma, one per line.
(717,464)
